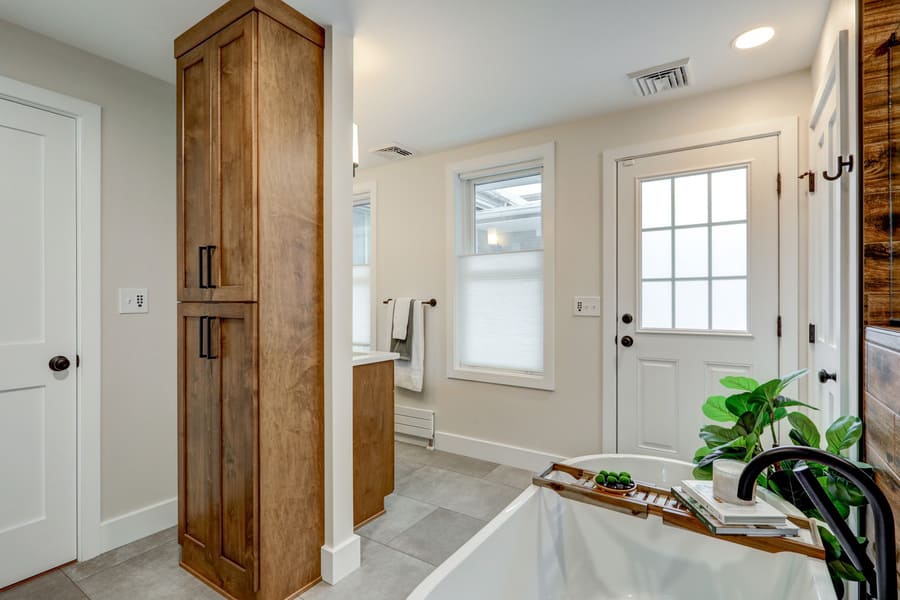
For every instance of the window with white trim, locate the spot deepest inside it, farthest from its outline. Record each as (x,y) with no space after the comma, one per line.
(502,269)
(362,272)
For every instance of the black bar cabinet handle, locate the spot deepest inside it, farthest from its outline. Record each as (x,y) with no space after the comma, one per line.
(202,322)
(209,348)
(209,283)
(200,250)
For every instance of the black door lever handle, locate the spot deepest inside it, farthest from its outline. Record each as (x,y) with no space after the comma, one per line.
(824,376)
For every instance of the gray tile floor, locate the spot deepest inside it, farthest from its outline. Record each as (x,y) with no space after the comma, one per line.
(440,501)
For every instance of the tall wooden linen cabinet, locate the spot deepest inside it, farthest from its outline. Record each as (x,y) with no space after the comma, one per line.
(250,286)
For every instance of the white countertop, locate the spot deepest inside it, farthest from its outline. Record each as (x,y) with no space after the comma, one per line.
(374,356)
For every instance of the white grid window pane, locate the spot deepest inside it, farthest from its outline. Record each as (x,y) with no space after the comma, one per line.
(692,252)
(656,254)
(692,305)
(501,309)
(729,297)
(729,195)
(693,243)
(729,250)
(508,214)
(656,203)
(691,199)
(656,305)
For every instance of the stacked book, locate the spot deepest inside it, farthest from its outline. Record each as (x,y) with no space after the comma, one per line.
(721,518)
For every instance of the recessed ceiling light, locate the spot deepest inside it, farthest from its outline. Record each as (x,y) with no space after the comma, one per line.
(754,37)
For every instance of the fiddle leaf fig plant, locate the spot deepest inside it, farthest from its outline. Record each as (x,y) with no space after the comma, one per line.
(748,419)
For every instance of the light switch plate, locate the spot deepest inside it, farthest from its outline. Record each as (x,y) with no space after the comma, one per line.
(133,300)
(587,306)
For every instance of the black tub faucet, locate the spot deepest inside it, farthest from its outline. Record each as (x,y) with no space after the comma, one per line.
(880,577)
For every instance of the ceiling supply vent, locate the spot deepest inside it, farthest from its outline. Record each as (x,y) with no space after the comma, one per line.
(670,76)
(393,151)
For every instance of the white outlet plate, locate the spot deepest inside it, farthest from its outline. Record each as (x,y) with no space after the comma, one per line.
(586,306)
(133,301)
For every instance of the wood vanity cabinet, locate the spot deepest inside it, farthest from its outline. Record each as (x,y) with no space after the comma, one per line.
(373,439)
(250,284)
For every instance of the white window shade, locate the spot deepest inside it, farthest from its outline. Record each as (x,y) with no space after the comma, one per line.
(500,311)
(362,306)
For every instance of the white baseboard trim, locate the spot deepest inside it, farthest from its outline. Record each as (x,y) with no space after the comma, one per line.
(522,458)
(340,561)
(132,526)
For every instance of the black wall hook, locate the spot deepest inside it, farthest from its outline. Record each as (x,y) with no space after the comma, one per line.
(841,164)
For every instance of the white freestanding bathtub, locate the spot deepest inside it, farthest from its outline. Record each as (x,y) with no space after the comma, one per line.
(545,547)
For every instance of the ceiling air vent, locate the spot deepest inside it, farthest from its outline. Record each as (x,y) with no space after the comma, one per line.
(654,80)
(393,151)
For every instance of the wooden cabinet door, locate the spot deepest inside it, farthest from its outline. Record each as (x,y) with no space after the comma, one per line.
(194,172)
(373,439)
(234,194)
(218,444)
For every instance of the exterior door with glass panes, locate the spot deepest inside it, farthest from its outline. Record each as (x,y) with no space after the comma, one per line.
(697,286)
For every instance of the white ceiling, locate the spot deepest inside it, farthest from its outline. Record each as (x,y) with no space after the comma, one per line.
(433,74)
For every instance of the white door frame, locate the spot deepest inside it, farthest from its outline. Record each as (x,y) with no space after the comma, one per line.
(789,234)
(87,199)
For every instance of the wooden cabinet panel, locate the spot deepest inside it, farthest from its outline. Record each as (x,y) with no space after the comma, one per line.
(194,171)
(218,416)
(234,198)
(251,325)
(373,439)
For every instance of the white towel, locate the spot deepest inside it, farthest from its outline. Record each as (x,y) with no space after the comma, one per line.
(400,318)
(409,374)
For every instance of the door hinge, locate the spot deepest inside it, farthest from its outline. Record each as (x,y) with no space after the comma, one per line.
(778,326)
(778,184)
(77,360)
(812,333)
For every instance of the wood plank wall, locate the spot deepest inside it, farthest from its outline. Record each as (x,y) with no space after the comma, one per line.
(879,19)
(881,404)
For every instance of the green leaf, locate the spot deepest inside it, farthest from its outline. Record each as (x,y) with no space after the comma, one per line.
(790,378)
(704,472)
(716,435)
(845,570)
(843,433)
(830,542)
(750,443)
(805,429)
(770,389)
(785,402)
(843,490)
(737,404)
(733,382)
(701,452)
(714,408)
(746,423)
(842,508)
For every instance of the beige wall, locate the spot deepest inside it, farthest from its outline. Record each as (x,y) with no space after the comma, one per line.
(138,437)
(411,234)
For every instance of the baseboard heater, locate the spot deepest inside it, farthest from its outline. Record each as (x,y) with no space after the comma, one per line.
(414,425)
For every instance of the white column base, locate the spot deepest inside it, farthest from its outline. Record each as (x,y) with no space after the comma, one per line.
(339,562)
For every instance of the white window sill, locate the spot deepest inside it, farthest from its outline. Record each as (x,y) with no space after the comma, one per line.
(511,378)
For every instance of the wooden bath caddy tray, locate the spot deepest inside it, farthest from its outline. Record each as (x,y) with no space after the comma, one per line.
(649,499)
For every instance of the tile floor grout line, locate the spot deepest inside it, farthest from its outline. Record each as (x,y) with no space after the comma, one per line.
(389,547)
(114,565)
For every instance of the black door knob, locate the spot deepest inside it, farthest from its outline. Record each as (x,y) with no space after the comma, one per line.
(628,341)
(824,376)
(627,318)
(59,363)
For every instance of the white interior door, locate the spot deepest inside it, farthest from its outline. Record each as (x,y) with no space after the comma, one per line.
(829,220)
(697,286)
(37,323)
